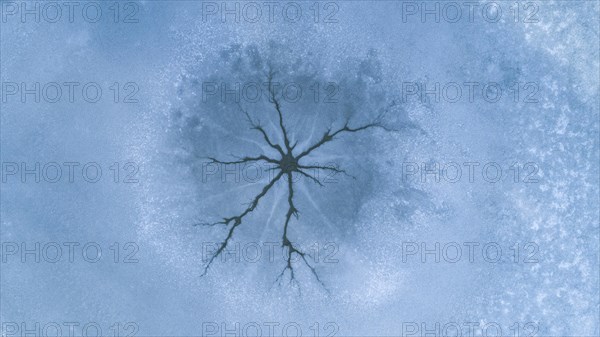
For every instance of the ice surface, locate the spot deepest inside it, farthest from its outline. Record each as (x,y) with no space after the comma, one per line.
(369,53)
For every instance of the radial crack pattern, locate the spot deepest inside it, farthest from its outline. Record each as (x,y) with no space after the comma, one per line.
(287,165)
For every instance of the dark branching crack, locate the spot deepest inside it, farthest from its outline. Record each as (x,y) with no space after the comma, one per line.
(287,164)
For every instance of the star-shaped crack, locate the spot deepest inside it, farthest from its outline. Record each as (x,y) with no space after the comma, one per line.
(288,164)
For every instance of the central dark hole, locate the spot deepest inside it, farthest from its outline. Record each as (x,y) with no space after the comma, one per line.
(288,163)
